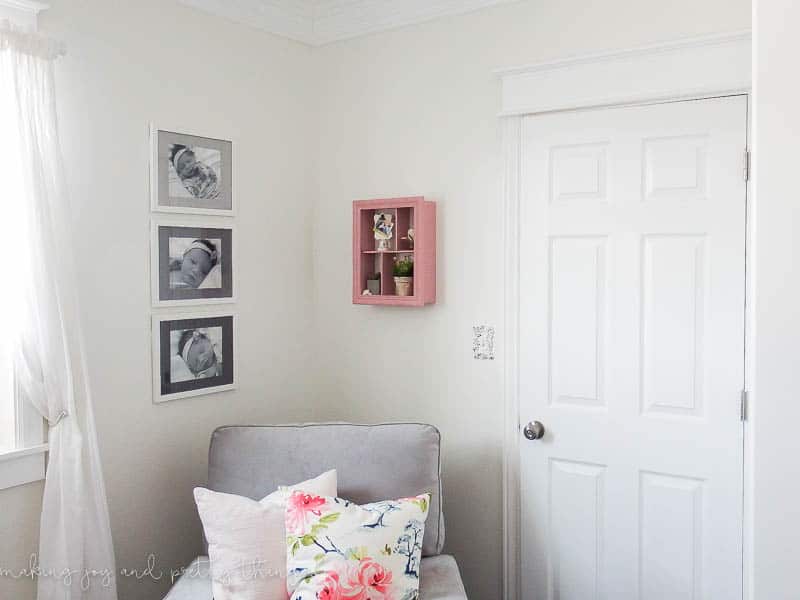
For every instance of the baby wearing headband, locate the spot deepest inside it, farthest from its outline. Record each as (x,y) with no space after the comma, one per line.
(197,178)
(197,351)
(199,267)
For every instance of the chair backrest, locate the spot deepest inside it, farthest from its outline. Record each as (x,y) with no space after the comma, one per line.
(373,462)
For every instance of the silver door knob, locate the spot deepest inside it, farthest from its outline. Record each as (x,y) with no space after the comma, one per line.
(534,430)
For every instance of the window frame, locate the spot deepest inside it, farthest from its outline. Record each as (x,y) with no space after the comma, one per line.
(26,462)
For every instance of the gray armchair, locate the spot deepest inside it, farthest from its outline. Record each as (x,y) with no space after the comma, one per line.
(374,462)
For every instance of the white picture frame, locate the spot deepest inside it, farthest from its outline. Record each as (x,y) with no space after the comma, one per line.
(158,172)
(159,299)
(164,326)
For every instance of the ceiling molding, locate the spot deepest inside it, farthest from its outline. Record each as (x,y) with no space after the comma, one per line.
(294,20)
(22,13)
(318,22)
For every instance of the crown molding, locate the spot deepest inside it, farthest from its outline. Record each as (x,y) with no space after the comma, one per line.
(294,20)
(318,22)
(337,20)
(25,5)
(22,13)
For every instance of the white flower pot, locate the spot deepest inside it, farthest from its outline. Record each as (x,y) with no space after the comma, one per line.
(404,286)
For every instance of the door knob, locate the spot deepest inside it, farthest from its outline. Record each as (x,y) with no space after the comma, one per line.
(534,430)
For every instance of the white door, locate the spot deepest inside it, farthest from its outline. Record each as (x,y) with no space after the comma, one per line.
(632,281)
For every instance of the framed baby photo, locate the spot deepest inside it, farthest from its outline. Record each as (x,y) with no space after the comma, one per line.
(192,355)
(190,173)
(191,263)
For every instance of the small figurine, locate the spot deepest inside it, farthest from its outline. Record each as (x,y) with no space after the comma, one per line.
(383,228)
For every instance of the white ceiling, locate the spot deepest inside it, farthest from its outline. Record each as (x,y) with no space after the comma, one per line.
(318,22)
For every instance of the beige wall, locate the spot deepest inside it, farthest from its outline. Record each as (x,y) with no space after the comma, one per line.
(19,532)
(404,112)
(413,112)
(129,63)
(776,410)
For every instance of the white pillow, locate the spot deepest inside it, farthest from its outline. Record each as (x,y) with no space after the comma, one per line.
(337,550)
(247,539)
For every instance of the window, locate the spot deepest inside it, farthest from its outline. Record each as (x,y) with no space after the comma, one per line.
(21,427)
(9,199)
(8,429)
(8,434)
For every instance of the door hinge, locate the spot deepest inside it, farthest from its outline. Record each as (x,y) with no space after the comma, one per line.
(746,165)
(745,396)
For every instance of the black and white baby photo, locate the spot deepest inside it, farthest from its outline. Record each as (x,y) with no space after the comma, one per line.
(195,354)
(195,264)
(192,355)
(192,174)
(192,264)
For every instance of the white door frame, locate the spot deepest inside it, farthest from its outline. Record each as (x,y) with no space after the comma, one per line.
(692,68)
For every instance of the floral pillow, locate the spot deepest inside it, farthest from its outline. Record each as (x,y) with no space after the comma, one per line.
(337,550)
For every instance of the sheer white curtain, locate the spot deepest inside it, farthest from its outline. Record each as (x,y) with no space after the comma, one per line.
(76,556)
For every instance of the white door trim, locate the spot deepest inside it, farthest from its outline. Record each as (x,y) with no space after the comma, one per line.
(685,69)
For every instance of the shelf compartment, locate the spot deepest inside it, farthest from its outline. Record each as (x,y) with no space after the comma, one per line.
(405,221)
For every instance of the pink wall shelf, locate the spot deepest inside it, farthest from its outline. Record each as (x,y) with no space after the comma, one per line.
(368,259)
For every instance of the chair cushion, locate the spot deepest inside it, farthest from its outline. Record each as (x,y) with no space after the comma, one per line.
(440,580)
(373,462)
(195,583)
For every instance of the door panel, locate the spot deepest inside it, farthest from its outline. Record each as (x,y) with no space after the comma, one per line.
(671,549)
(578,528)
(577,319)
(673,296)
(631,351)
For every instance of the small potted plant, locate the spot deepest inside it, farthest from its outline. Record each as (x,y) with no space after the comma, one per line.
(374,284)
(404,276)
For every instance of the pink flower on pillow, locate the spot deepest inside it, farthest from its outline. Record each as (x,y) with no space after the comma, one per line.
(367,580)
(299,509)
(329,588)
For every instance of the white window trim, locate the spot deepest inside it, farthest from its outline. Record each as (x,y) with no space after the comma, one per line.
(22,466)
(25,463)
